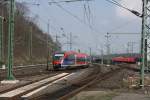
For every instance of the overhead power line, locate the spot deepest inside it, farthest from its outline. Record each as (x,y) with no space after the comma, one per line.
(67,1)
(76,17)
(121,6)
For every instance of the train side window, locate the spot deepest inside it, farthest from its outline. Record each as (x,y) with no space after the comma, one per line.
(71,57)
(81,59)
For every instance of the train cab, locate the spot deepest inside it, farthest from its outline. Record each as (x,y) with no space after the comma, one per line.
(57,60)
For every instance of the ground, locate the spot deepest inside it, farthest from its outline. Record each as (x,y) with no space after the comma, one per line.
(109,95)
(114,88)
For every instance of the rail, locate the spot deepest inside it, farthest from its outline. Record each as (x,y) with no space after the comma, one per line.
(98,77)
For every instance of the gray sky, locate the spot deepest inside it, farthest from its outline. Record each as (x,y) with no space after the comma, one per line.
(102,16)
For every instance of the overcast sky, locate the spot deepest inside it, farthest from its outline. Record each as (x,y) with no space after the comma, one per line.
(89,23)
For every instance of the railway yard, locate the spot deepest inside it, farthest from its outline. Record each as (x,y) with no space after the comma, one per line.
(97,82)
(74,49)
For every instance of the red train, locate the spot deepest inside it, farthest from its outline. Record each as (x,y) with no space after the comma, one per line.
(125,60)
(64,60)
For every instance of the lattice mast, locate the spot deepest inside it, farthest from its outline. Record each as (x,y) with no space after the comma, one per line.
(145,39)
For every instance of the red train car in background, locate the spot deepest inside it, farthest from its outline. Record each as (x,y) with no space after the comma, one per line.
(64,60)
(131,60)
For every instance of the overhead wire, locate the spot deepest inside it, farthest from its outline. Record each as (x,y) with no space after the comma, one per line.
(117,4)
(67,1)
(80,20)
(87,12)
(121,6)
(53,19)
(86,16)
(76,17)
(42,18)
(122,25)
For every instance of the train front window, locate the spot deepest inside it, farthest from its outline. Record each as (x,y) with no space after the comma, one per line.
(58,56)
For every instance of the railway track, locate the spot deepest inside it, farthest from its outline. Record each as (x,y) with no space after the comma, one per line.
(30,70)
(24,71)
(94,79)
(30,91)
(76,86)
(69,83)
(15,94)
(48,75)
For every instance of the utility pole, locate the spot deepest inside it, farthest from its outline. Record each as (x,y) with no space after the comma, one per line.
(69,38)
(102,58)
(90,54)
(56,38)
(108,47)
(30,43)
(143,38)
(11,40)
(130,47)
(48,51)
(57,42)
(1,41)
(70,43)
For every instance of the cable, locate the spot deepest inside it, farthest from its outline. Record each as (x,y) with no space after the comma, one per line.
(67,1)
(43,20)
(76,17)
(117,3)
(121,26)
(121,6)
(53,19)
(87,12)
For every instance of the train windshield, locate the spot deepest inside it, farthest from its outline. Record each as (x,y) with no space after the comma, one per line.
(58,56)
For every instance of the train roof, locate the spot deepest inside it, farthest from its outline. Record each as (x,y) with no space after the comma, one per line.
(71,52)
(81,55)
(66,52)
